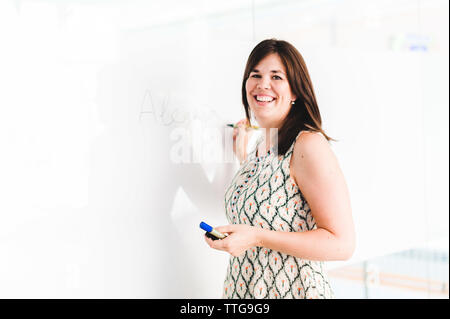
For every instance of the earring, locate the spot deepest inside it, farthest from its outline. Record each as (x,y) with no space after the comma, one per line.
(293,102)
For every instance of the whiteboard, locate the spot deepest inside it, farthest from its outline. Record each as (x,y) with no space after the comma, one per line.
(114,146)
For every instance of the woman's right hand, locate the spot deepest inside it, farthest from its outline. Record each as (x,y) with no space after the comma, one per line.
(240,139)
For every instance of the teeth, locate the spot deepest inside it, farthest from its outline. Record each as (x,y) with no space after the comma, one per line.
(264,98)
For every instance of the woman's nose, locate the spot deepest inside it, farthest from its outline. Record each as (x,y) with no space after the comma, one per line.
(263,83)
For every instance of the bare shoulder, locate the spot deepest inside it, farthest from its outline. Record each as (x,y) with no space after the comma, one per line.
(308,140)
(312,155)
(312,145)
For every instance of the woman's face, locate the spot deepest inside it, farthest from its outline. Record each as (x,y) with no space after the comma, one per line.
(268,92)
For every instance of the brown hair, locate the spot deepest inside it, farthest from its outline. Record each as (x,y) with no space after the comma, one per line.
(304,114)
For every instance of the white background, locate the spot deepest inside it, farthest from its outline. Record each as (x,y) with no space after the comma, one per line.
(92,94)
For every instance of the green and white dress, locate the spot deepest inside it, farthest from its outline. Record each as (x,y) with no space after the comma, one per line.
(263,194)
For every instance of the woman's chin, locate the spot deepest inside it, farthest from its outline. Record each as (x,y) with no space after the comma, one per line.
(264,122)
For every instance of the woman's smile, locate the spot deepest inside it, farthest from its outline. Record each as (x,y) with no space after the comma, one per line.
(264,100)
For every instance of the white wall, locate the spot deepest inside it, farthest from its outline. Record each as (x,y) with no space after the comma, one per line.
(93,94)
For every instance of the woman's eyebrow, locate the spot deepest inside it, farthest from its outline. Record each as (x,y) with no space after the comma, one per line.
(273,71)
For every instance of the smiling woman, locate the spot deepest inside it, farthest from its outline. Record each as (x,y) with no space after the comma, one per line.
(276,69)
(288,210)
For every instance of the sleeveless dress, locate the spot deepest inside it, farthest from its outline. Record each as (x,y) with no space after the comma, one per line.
(263,194)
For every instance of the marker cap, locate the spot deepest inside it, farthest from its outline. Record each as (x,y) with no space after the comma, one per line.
(205,227)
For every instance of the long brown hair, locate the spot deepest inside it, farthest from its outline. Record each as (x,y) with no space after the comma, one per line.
(304,114)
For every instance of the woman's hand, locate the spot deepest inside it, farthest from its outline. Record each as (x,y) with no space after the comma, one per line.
(240,238)
(240,139)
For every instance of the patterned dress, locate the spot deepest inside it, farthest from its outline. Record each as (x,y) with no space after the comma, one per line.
(263,194)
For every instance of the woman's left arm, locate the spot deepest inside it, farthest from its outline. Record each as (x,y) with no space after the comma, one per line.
(316,171)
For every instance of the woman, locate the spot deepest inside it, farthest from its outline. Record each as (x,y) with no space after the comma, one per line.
(288,210)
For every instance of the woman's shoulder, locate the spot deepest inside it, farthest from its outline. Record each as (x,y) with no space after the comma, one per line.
(311,149)
(310,140)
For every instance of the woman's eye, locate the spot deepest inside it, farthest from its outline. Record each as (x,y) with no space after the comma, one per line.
(257,76)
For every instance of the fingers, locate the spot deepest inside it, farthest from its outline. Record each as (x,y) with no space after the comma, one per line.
(239,128)
(242,122)
(227,244)
(209,241)
(240,139)
(216,244)
(225,229)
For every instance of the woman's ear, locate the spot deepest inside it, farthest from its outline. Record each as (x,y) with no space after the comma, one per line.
(293,98)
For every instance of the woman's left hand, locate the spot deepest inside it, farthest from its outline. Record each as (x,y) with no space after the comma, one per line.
(240,238)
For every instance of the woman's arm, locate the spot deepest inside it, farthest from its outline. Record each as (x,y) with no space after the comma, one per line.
(240,140)
(316,171)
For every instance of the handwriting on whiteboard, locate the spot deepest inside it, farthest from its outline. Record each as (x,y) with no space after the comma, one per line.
(166,114)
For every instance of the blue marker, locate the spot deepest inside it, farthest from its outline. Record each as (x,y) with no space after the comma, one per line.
(212,231)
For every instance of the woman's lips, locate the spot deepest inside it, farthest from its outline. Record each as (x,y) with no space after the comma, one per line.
(263,103)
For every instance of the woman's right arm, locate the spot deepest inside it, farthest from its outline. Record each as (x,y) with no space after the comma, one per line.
(240,140)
